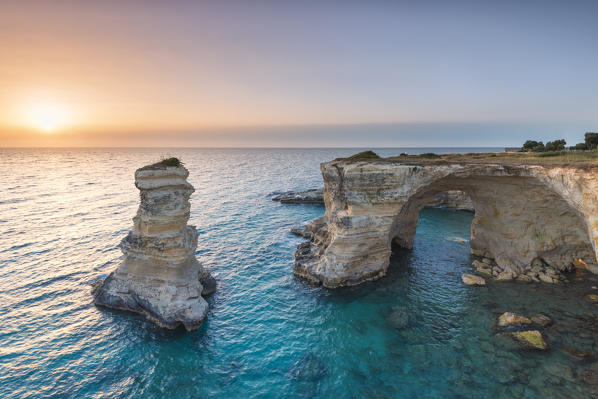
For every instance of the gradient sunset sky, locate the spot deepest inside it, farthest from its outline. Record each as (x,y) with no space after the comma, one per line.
(301,73)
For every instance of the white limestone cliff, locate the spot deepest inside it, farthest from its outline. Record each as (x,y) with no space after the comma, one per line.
(532,222)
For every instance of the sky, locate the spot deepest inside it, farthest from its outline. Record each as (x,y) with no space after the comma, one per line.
(296,73)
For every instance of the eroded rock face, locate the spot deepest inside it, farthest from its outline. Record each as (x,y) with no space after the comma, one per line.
(453,199)
(159,275)
(529,220)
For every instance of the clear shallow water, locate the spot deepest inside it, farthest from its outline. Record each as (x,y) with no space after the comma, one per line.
(268,334)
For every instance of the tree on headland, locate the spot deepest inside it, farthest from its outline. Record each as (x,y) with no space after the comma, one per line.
(591,140)
(556,145)
(591,143)
(532,145)
(538,146)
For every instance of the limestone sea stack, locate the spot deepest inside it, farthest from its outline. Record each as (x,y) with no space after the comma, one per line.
(159,275)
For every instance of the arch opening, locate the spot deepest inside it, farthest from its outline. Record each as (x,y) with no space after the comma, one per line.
(522,228)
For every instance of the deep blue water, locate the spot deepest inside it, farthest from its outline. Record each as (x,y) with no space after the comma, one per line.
(268,334)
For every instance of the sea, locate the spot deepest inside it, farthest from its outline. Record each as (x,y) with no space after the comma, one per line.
(419,332)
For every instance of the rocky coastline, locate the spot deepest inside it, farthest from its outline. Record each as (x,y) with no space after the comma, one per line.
(455,200)
(532,222)
(159,275)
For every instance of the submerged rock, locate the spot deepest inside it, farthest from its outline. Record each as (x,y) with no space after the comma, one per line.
(308,368)
(559,370)
(541,319)
(590,377)
(530,339)
(472,279)
(592,298)
(508,319)
(398,317)
(579,354)
(159,276)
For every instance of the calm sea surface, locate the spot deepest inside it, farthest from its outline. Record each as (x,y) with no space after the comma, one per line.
(417,333)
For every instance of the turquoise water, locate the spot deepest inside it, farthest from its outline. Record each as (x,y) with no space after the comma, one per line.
(417,333)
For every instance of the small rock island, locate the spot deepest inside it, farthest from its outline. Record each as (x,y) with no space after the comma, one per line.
(159,276)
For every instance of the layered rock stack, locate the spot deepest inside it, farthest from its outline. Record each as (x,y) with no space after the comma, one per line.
(159,276)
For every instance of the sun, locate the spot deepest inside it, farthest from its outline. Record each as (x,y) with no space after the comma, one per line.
(46,117)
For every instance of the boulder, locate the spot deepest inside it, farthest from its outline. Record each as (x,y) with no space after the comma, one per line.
(505,275)
(508,319)
(472,279)
(530,339)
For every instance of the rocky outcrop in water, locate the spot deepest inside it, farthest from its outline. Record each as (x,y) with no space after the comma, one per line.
(472,279)
(313,196)
(532,221)
(159,276)
(456,200)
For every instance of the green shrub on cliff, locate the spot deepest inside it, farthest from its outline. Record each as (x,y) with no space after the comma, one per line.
(429,155)
(365,155)
(173,161)
(551,154)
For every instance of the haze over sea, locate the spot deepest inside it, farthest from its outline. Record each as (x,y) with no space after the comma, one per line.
(268,334)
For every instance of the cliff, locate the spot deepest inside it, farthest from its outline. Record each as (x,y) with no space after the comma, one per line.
(532,222)
(159,276)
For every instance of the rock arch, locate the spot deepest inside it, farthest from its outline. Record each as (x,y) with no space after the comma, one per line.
(531,222)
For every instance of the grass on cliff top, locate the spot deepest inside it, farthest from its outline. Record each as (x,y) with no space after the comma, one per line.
(552,157)
(365,155)
(173,161)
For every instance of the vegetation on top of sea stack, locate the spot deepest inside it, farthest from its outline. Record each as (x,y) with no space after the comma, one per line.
(365,155)
(165,162)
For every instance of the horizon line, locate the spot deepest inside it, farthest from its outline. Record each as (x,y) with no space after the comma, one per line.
(238,148)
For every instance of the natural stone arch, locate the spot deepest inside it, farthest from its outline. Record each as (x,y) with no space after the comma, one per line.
(526,216)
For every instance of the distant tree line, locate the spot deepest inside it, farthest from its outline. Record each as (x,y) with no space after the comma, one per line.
(590,143)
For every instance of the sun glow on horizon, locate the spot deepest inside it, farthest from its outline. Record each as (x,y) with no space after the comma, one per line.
(46,117)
